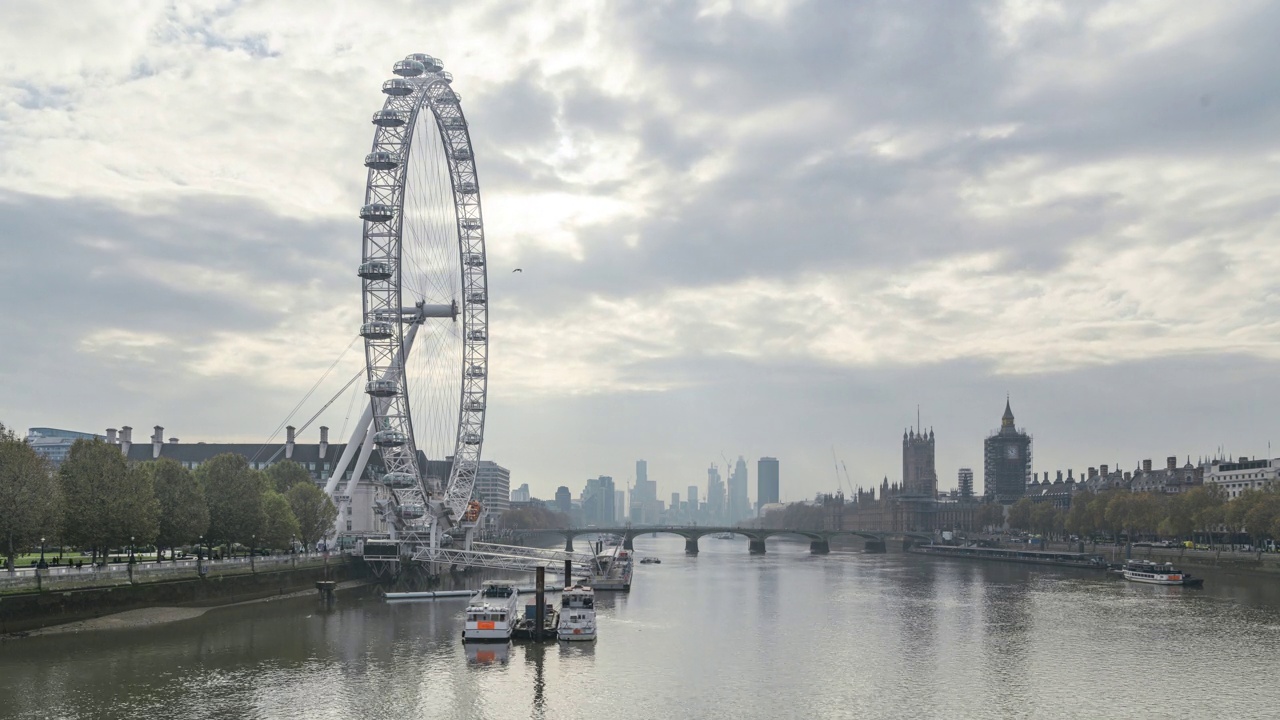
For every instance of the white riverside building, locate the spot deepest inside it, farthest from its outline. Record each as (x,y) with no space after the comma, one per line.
(1243,474)
(493,490)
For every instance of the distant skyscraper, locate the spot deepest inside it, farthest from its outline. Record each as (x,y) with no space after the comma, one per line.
(644,496)
(521,494)
(766,481)
(715,493)
(564,499)
(597,501)
(691,497)
(619,504)
(675,501)
(965,482)
(919,478)
(1006,461)
(739,503)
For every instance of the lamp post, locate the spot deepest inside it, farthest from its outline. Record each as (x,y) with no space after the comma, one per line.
(130,549)
(200,556)
(42,564)
(293,549)
(253,540)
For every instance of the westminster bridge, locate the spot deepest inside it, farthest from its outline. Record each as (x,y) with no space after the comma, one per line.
(819,540)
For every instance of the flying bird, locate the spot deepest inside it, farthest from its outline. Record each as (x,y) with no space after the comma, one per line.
(518,270)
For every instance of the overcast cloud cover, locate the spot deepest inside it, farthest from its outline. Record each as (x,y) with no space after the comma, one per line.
(757,228)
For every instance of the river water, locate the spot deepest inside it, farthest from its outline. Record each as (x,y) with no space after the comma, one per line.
(721,635)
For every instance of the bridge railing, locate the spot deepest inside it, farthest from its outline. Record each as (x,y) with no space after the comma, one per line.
(70,578)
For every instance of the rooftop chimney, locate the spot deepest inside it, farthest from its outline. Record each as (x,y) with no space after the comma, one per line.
(173,441)
(157,442)
(324,442)
(1093,472)
(1171,462)
(126,440)
(288,442)
(111,436)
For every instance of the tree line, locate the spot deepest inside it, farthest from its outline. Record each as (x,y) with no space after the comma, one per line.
(98,501)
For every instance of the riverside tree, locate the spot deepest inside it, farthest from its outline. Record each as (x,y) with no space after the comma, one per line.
(233,492)
(314,511)
(285,474)
(184,514)
(105,502)
(30,498)
(278,525)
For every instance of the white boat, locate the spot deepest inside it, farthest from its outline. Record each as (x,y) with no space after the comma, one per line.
(577,614)
(723,536)
(1156,574)
(491,615)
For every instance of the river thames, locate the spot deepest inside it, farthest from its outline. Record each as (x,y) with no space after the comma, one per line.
(721,635)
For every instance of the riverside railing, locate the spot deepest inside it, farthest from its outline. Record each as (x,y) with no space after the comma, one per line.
(69,578)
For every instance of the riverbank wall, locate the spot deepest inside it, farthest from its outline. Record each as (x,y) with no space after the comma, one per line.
(23,611)
(1220,559)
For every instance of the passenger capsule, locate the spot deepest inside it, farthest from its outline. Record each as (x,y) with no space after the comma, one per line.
(412,511)
(471,439)
(477,298)
(448,97)
(475,405)
(375,270)
(377,212)
(377,330)
(381,160)
(463,154)
(431,64)
(470,223)
(397,87)
(474,260)
(477,335)
(399,480)
(388,118)
(468,188)
(446,76)
(453,122)
(382,388)
(475,371)
(408,68)
(389,438)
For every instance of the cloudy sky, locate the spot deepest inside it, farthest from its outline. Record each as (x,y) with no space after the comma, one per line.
(756,228)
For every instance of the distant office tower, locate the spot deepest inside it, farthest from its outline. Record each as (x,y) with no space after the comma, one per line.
(597,501)
(642,472)
(691,497)
(766,481)
(919,478)
(715,493)
(1006,461)
(493,488)
(520,494)
(564,499)
(965,482)
(619,505)
(739,503)
(644,496)
(675,501)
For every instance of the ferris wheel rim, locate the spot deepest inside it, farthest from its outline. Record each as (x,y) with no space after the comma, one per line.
(421,86)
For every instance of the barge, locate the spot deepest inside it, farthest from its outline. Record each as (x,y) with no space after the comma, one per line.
(1033,557)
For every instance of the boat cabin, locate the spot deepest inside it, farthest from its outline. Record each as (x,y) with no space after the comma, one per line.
(578,596)
(497,589)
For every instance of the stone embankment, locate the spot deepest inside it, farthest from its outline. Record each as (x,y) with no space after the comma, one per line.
(77,597)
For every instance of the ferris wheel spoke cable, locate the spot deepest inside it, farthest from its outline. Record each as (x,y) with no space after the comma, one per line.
(305,397)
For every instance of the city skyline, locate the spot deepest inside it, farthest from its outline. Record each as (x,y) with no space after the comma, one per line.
(977,222)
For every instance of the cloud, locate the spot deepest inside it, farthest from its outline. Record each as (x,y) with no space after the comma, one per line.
(727,212)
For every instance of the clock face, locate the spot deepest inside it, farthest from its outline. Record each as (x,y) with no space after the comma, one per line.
(1011,452)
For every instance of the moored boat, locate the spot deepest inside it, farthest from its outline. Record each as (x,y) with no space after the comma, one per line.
(491,615)
(1034,557)
(1145,571)
(577,614)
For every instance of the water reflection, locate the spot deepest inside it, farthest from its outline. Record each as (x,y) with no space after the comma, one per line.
(488,653)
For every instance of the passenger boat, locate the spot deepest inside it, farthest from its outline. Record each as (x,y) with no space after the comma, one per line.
(1144,571)
(650,561)
(1034,557)
(577,614)
(723,536)
(491,615)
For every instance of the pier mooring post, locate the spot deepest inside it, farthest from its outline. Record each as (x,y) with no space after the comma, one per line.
(540,596)
(327,589)
(568,573)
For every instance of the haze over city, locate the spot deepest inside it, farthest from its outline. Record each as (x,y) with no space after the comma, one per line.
(756,228)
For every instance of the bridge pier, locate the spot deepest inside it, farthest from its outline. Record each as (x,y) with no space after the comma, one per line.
(568,544)
(691,546)
(820,547)
(756,546)
(874,546)
(628,542)
(907,544)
